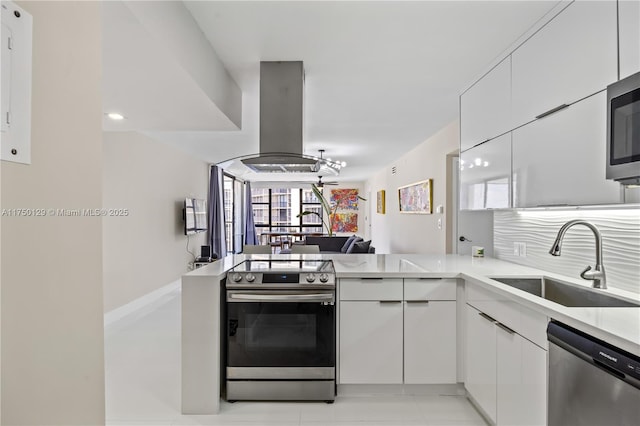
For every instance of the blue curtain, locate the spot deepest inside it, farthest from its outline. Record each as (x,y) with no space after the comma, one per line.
(250,236)
(217,239)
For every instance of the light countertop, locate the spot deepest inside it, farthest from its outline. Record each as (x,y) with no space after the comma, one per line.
(618,326)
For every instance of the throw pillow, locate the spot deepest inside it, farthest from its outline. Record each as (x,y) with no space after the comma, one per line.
(347,244)
(356,240)
(361,247)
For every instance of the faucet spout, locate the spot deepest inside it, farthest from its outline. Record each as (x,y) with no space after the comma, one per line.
(597,275)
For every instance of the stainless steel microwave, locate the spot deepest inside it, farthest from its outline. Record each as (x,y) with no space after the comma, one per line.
(623,130)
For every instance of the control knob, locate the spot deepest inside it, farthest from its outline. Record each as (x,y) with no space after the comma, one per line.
(250,277)
(236,277)
(324,277)
(311,278)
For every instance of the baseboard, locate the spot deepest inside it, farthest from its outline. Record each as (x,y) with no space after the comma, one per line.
(139,303)
(454,389)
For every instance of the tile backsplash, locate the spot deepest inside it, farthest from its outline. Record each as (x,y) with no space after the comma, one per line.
(537,229)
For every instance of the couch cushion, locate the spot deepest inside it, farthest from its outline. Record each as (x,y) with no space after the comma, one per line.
(347,243)
(330,244)
(361,247)
(353,243)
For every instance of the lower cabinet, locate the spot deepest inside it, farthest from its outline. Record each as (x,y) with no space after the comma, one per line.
(480,360)
(406,334)
(430,342)
(371,342)
(506,374)
(521,379)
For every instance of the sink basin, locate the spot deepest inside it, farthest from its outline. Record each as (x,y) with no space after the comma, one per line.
(566,294)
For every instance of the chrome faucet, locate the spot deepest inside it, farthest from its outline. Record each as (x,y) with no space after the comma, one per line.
(597,275)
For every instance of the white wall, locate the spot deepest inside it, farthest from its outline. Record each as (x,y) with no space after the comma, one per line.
(620,231)
(52,331)
(146,249)
(395,232)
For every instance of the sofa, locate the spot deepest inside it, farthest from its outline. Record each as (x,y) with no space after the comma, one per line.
(335,244)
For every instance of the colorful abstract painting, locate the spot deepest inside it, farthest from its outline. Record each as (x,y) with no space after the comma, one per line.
(346,198)
(416,198)
(344,222)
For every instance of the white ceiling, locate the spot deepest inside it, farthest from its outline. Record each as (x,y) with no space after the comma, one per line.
(381,77)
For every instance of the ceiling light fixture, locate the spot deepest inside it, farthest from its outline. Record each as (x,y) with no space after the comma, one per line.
(329,163)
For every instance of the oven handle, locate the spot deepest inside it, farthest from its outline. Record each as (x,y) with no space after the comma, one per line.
(302,297)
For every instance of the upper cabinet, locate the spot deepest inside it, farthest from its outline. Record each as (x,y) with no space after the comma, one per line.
(485,108)
(559,159)
(629,27)
(485,175)
(573,56)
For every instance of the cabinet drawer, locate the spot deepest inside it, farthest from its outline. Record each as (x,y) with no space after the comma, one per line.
(430,289)
(528,323)
(370,289)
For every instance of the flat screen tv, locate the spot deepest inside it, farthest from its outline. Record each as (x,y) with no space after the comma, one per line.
(195,216)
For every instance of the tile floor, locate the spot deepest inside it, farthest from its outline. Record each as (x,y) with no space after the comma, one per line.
(142,362)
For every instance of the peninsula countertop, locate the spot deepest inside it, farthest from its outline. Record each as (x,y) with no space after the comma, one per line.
(620,326)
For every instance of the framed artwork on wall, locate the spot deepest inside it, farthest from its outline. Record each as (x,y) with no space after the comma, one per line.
(380,205)
(416,198)
(345,222)
(345,198)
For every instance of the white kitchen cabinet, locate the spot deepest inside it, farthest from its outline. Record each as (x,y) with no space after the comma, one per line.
(371,349)
(485,109)
(430,342)
(485,175)
(521,380)
(480,361)
(430,331)
(629,28)
(573,56)
(560,159)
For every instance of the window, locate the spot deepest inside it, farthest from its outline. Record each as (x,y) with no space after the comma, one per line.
(233,213)
(276,209)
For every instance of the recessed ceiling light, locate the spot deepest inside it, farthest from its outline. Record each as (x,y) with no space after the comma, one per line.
(115,116)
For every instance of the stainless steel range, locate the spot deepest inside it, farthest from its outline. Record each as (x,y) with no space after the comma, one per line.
(281,330)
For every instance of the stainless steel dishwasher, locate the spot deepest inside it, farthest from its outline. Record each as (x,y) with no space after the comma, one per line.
(590,381)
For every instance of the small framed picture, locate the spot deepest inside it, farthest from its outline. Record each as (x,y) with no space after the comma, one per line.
(380,204)
(416,198)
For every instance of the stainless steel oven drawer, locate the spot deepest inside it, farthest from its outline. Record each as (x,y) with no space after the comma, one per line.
(283,390)
(281,373)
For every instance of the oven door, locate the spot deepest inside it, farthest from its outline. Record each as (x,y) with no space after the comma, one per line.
(280,334)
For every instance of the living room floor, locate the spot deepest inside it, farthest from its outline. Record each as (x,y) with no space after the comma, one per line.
(142,375)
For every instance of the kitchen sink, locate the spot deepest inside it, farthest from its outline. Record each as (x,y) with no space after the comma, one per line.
(566,294)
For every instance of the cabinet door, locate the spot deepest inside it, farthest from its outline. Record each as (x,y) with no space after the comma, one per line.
(485,175)
(485,109)
(521,380)
(629,27)
(573,56)
(430,342)
(560,159)
(480,361)
(370,342)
